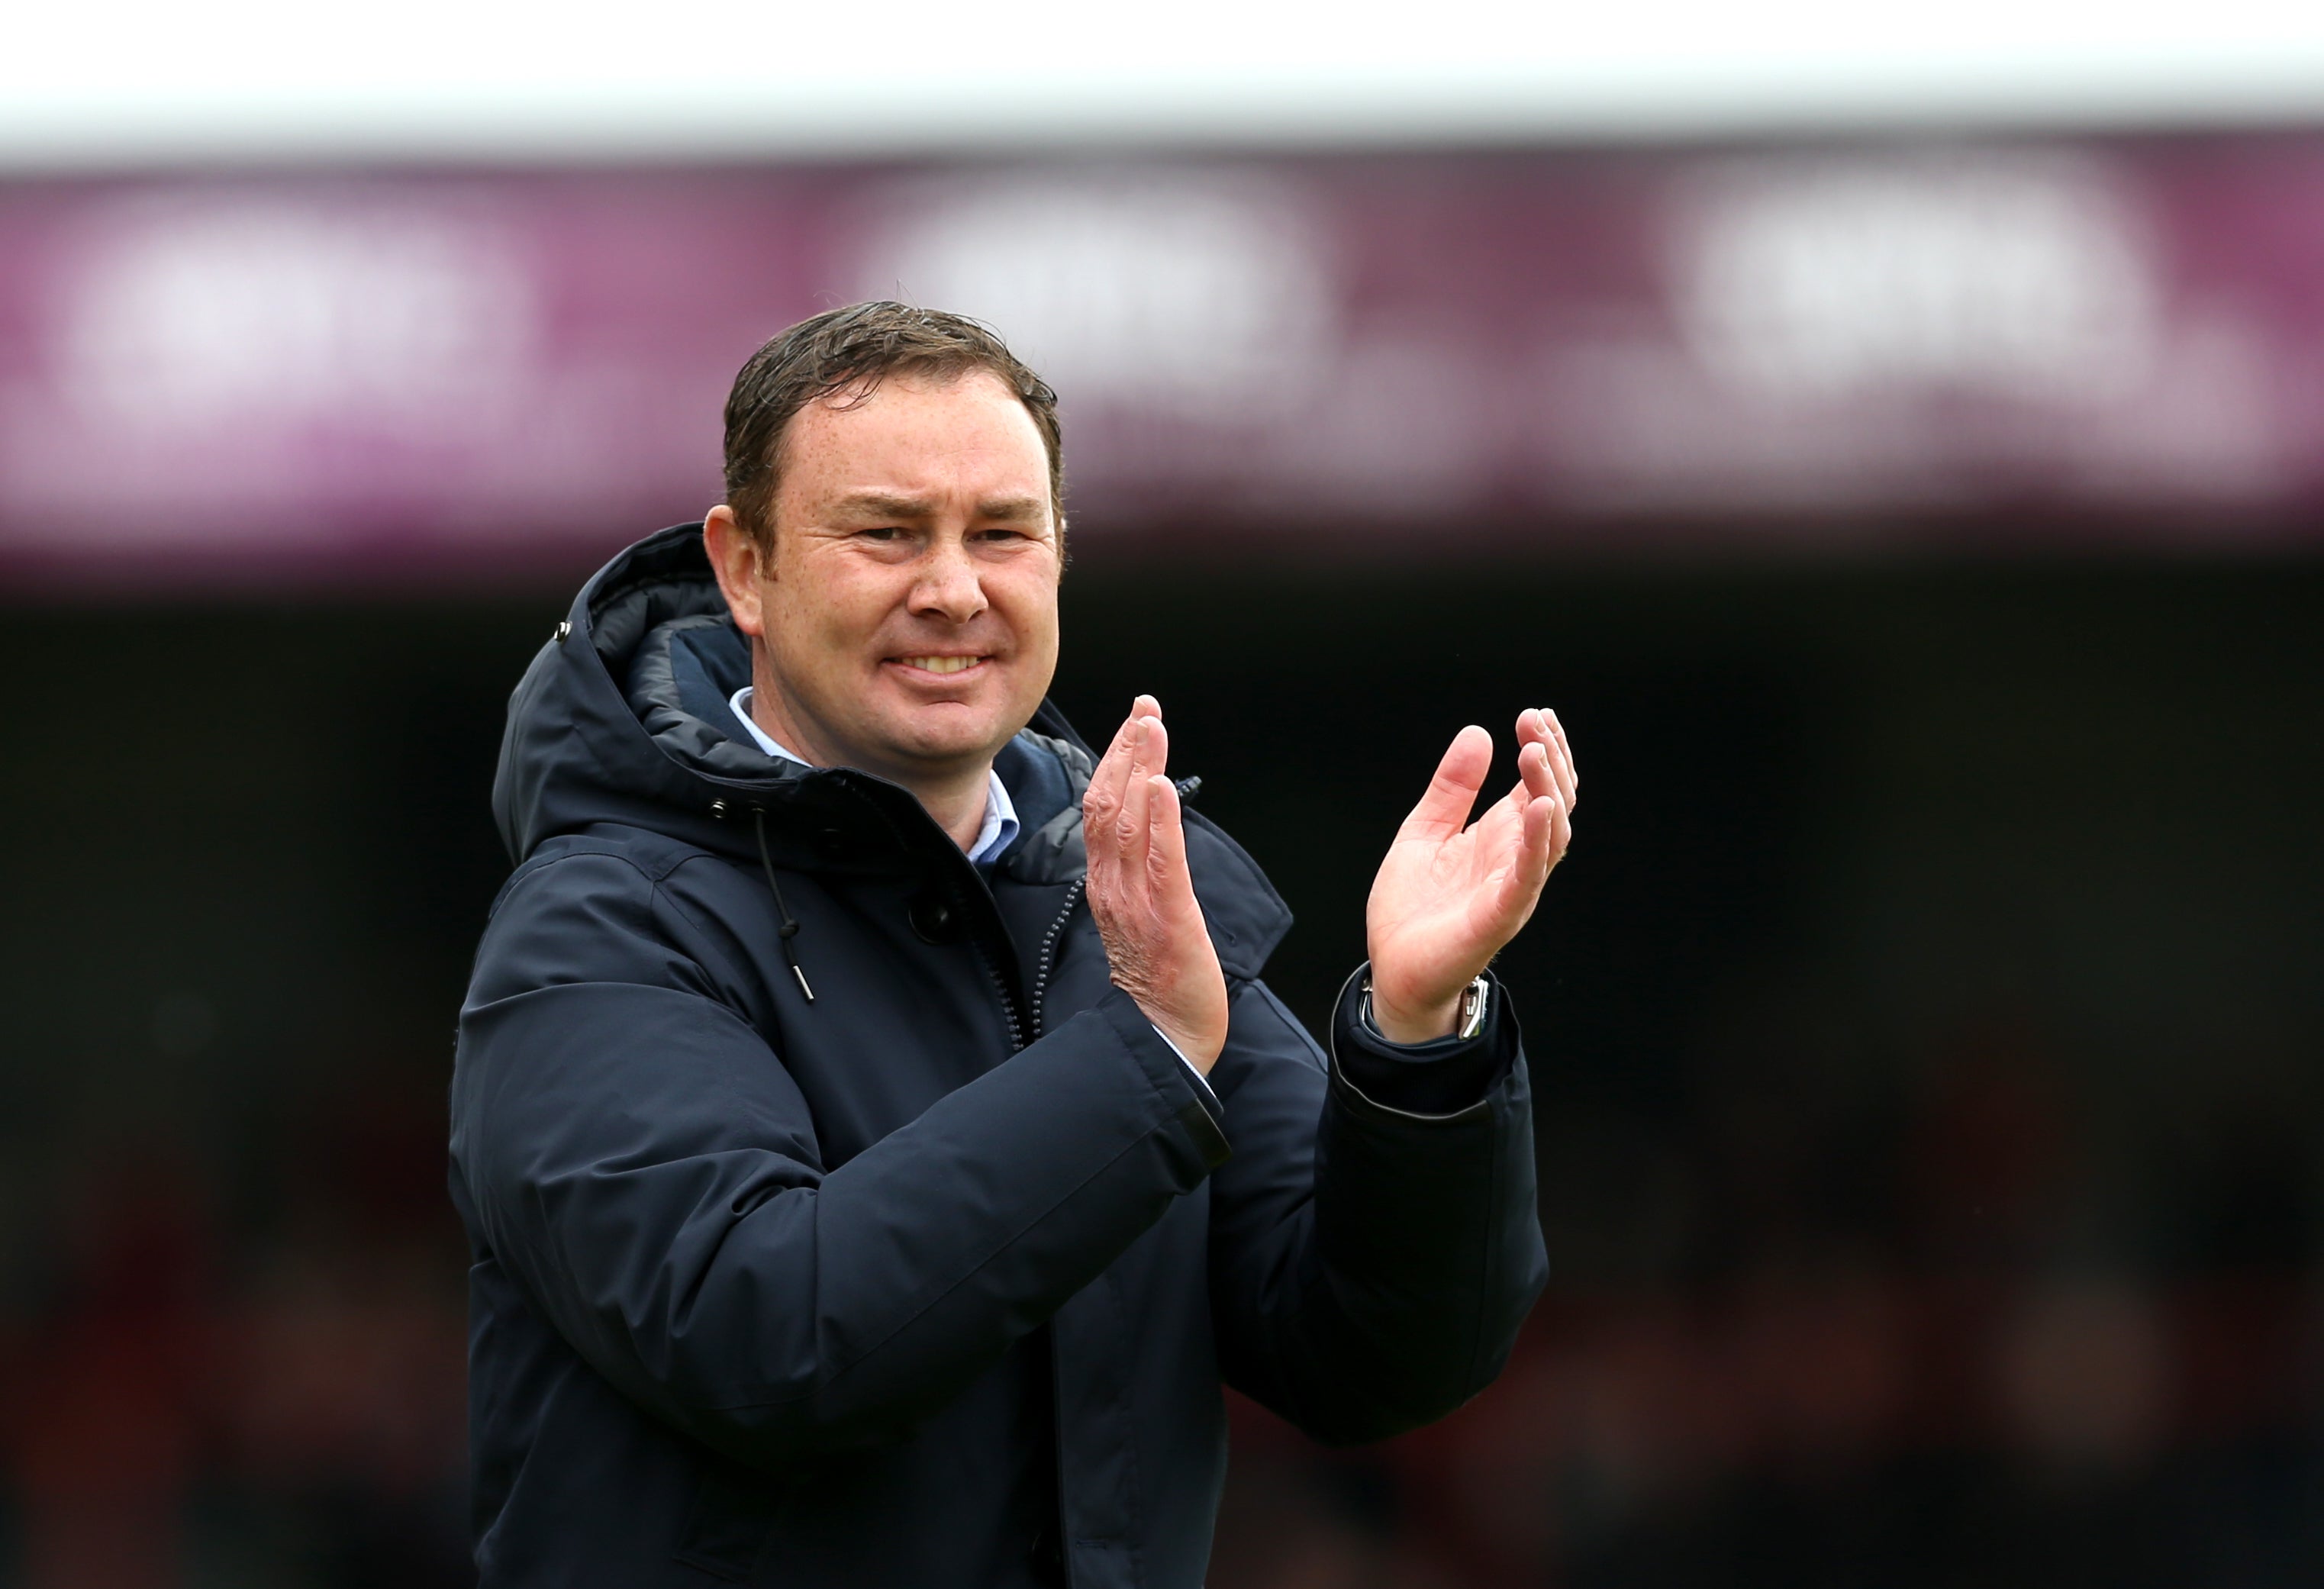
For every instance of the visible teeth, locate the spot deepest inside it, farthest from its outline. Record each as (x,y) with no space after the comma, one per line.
(942,664)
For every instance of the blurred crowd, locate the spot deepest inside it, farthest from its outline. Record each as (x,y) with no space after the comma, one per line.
(249,1378)
(1954,1332)
(1960,1325)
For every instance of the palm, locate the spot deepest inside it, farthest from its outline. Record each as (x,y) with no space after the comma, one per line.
(1451,892)
(1449,897)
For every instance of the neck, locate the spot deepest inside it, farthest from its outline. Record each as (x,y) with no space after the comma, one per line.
(954,798)
(957,805)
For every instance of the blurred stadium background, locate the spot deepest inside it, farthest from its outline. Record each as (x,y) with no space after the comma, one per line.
(1898,454)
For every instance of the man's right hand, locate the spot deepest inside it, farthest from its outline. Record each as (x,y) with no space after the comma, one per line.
(1143,897)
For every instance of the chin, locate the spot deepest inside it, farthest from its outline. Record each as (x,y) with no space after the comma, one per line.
(953,741)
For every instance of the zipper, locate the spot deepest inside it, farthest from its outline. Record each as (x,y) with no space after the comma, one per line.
(1047,960)
(1009,1005)
(1043,964)
(1023,1030)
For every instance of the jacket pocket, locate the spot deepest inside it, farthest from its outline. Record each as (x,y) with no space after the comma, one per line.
(734,1512)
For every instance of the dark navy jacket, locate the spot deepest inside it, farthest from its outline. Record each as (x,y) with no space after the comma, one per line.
(935,1278)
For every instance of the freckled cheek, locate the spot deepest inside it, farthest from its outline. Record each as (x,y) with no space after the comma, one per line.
(852,624)
(1030,613)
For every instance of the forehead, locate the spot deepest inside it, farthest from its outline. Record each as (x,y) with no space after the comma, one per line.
(914,435)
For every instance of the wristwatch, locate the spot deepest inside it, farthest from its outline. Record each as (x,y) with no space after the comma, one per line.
(1468,1019)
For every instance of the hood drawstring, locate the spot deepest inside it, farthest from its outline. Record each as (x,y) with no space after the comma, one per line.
(791,925)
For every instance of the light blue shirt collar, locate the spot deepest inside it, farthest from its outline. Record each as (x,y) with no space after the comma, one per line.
(1000,826)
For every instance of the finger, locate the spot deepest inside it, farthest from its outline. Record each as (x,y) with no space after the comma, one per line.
(1153,755)
(1148,748)
(1443,810)
(1538,726)
(1107,781)
(1111,780)
(1098,799)
(1165,853)
(1521,884)
(1131,835)
(1127,834)
(1569,775)
(1535,776)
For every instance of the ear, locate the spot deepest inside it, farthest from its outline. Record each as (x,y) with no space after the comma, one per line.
(738,560)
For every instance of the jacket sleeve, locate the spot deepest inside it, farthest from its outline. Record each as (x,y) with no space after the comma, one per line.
(1369,1267)
(627,1146)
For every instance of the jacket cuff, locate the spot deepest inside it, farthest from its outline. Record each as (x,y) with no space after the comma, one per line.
(1437,1079)
(1196,1107)
(1202,1093)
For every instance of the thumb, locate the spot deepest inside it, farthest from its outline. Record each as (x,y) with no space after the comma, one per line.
(1451,795)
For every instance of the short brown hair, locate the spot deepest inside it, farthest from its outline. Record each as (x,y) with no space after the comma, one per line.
(861,346)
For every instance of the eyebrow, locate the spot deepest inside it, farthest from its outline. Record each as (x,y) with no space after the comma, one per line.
(883,504)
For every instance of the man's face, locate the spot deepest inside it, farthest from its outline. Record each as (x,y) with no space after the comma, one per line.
(907,613)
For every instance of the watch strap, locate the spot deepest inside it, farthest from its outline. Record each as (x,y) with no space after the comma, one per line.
(1468,1016)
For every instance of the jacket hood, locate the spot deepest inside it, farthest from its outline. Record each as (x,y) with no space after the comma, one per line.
(623,718)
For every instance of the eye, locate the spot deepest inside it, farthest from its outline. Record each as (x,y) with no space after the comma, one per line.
(881,532)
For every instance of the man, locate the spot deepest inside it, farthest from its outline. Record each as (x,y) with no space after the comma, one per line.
(875,1141)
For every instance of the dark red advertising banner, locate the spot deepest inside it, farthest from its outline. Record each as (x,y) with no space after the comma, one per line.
(437,373)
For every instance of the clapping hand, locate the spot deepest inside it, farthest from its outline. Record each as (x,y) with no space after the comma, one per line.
(1142,896)
(1452,892)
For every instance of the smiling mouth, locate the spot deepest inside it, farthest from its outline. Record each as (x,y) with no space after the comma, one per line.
(938,664)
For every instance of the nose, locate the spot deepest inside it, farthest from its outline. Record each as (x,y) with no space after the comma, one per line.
(949,586)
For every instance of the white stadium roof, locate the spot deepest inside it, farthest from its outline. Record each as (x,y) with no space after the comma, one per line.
(145,83)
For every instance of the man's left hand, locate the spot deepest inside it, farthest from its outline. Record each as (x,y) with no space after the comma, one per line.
(1451,892)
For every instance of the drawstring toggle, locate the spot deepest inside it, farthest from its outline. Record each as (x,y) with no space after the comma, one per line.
(790,926)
